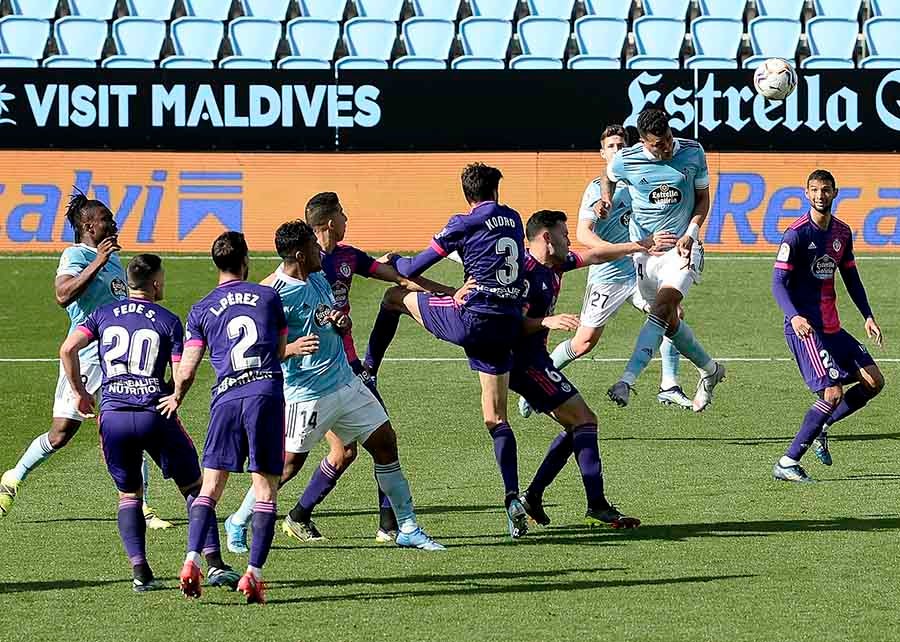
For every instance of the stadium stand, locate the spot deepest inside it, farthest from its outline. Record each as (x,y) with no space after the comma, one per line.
(435,34)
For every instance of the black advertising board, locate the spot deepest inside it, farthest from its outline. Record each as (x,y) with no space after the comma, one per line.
(833,110)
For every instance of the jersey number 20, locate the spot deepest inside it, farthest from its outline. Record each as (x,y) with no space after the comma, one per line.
(142,348)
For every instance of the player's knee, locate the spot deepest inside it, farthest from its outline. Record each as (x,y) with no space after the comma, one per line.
(582,345)
(192,488)
(346,455)
(876,382)
(382,444)
(833,395)
(59,436)
(393,298)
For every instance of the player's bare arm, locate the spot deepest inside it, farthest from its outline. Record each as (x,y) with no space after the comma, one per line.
(564,322)
(698,217)
(69,288)
(68,355)
(184,378)
(301,346)
(383,271)
(604,251)
(341,322)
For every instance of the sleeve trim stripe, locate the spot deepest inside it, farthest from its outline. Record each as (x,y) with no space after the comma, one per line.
(781,265)
(85,332)
(373,267)
(579,260)
(176,358)
(283,332)
(194,343)
(849,264)
(437,248)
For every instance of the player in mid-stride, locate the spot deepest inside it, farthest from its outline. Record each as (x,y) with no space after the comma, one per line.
(669,184)
(244,327)
(813,249)
(89,275)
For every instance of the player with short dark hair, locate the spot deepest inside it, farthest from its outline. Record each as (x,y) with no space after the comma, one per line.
(490,240)
(813,249)
(138,340)
(243,326)
(668,181)
(89,276)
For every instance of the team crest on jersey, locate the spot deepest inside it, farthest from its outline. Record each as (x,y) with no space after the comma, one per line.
(824,267)
(341,293)
(345,270)
(118,288)
(833,373)
(836,245)
(625,219)
(665,195)
(321,315)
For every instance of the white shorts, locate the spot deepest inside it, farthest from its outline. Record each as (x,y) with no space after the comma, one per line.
(65,403)
(352,413)
(603,300)
(668,270)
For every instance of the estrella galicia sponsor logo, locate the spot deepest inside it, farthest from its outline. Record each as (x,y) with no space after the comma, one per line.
(824,267)
(341,293)
(665,195)
(321,315)
(5,97)
(118,288)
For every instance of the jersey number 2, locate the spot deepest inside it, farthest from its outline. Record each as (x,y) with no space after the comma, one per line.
(509,271)
(243,328)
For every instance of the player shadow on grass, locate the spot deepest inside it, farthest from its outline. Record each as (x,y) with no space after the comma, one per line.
(758,441)
(462,584)
(55,585)
(420,510)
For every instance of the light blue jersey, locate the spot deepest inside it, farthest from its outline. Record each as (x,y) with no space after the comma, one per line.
(107,286)
(662,192)
(307,304)
(612,229)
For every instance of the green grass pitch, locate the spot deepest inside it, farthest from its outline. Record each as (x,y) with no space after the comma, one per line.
(725,553)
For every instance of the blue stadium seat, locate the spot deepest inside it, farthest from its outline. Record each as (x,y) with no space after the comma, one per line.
(847,9)
(359,62)
(676,9)
(885,8)
(879,62)
(594,62)
(254,37)
(268,9)
(535,62)
(419,62)
(380,9)
(97,9)
(710,62)
(313,38)
(731,9)
(651,62)
(600,37)
(139,37)
(153,9)
(774,37)
(754,61)
(444,9)
(197,37)
(428,37)
(8,60)
(81,37)
(717,37)
(23,37)
(617,9)
(832,37)
(209,9)
(485,37)
(127,62)
(44,9)
(185,62)
(659,37)
(881,37)
(824,62)
(369,38)
(551,8)
(477,62)
(543,37)
(323,9)
(497,9)
(787,9)
(244,62)
(68,62)
(299,62)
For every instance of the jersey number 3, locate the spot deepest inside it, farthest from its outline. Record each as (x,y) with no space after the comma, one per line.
(508,273)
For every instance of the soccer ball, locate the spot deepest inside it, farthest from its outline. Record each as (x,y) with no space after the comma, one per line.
(775,79)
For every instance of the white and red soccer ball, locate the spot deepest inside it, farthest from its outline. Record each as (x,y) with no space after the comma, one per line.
(775,79)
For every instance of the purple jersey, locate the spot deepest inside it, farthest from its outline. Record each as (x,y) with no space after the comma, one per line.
(339,268)
(137,341)
(491,243)
(812,255)
(241,323)
(542,285)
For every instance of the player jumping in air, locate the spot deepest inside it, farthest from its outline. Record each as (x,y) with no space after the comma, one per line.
(612,283)
(669,184)
(340,262)
(138,339)
(813,248)
(491,242)
(244,327)
(89,275)
(322,392)
(540,382)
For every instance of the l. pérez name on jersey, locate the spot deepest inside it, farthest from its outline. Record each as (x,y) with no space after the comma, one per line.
(234,298)
(665,195)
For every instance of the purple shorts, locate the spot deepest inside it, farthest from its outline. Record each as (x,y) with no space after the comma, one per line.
(487,339)
(247,429)
(126,434)
(829,359)
(544,387)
